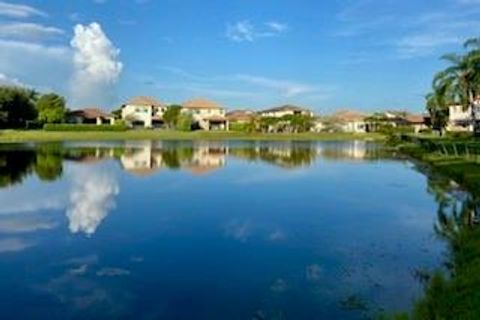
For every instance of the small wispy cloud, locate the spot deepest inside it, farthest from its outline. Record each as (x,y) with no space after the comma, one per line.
(419,45)
(13,10)
(286,88)
(277,26)
(420,34)
(241,86)
(28,31)
(246,31)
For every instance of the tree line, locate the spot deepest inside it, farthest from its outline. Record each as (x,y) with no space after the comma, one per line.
(23,108)
(457,85)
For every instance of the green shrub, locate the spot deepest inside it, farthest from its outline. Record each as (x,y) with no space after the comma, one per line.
(241,127)
(84,127)
(184,122)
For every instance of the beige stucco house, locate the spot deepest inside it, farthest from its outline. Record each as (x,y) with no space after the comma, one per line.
(207,115)
(144,111)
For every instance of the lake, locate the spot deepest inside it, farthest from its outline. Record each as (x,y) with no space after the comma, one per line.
(212,230)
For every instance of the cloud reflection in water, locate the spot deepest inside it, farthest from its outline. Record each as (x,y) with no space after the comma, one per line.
(91,198)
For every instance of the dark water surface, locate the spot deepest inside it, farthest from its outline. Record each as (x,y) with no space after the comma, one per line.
(211,230)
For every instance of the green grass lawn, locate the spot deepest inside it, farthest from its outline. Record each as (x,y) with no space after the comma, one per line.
(9,136)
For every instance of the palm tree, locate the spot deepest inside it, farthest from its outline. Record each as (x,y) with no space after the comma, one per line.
(459,83)
(437,107)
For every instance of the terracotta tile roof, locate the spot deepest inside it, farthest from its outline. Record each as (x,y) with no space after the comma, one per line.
(201,103)
(144,101)
(90,113)
(415,118)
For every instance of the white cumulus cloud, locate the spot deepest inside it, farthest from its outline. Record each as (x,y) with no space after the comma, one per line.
(96,66)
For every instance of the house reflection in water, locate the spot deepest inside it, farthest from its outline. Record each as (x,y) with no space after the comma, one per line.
(197,157)
(354,150)
(148,157)
(206,157)
(140,158)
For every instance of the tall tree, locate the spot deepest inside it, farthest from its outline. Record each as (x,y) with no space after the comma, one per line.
(17,106)
(171,116)
(438,110)
(51,108)
(459,83)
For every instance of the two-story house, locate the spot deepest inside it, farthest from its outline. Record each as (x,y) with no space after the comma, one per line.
(144,112)
(207,115)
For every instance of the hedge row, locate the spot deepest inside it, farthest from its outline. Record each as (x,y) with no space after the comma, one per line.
(84,127)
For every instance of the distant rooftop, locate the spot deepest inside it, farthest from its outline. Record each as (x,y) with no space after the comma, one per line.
(90,113)
(349,115)
(240,115)
(287,107)
(144,101)
(201,103)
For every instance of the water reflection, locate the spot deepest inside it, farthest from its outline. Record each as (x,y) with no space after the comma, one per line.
(148,157)
(91,198)
(451,291)
(92,190)
(127,229)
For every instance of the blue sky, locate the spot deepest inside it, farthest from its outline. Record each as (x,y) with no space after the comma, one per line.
(361,54)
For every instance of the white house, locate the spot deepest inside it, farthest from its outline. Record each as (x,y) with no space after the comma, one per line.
(207,115)
(459,119)
(318,125)
(350,121)
(144,111)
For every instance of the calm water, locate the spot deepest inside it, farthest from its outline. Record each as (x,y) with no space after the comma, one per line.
(211,230)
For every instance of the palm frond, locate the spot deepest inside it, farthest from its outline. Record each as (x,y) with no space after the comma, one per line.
(453,58)
(472,43)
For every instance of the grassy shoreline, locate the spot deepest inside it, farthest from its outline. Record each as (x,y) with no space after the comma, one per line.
(451,293)
(464,168)
(14,136)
